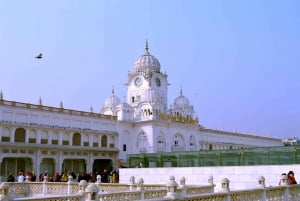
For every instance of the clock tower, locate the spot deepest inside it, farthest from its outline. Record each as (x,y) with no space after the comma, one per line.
(147,88)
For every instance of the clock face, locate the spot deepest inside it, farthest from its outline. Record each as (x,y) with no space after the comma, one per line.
(138,82)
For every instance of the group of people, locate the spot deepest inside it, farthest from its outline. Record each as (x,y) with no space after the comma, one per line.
(21,176)
(106,176)
(290,177)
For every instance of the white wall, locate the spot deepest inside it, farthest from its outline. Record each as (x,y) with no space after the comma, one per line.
(240,177)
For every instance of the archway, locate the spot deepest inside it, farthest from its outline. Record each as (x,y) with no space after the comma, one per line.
(74,165)
(20,134)
(47,166)
(14,165)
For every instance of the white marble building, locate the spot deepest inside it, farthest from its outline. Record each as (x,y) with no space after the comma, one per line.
(37,137)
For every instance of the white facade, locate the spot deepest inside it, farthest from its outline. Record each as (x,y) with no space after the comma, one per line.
(41,137)
(240,177)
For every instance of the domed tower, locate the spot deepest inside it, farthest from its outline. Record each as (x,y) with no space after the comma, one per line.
(182,108)
(147,88)
(110,105)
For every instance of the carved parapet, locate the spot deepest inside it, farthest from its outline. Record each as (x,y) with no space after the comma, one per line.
(225,185)
(140,184)
(284,180)
(211,180)
(92,192)
(172,189)
(98,179)
(261,182)
(4,189)
(82,185)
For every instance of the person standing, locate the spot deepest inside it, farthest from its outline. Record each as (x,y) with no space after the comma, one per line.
(291,178)
(10,177)
(21,176)
(33,176)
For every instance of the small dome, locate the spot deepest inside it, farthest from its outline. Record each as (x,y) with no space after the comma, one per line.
(151,95)
(112,101)
(147,62)
(181,101)
(182,106)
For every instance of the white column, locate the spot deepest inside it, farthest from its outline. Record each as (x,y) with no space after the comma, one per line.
(12,134)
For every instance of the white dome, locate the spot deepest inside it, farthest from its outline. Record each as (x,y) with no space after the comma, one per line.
(150,95)
(147,63)
(112,101)
(182,106)
(181,101)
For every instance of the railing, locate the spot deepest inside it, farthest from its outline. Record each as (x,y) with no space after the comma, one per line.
(55,109)
(74,191)
(28,189)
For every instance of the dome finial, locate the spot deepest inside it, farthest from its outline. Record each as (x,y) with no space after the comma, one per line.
(180,91)
(40,101)
(113,91)
(147,47)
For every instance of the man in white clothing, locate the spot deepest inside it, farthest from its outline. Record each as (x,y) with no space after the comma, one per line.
(21,176)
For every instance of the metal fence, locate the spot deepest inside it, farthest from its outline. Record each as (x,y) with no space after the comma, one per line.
(234,157)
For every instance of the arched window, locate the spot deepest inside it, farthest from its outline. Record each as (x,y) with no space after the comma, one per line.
(5,135)
(32,136)
(44,137)
(178,143)
(20,134)
(55,137)
(142,143)
(104,141)
(86,140)
(161,143)
(192,143)
(76,139)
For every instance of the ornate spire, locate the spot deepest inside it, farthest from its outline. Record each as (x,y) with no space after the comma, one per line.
(91,109)
(180,91)
(61,105)
(147,48)
(40,101)
(113,91)
(1,95)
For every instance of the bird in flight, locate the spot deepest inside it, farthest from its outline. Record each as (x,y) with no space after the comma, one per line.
(39,56)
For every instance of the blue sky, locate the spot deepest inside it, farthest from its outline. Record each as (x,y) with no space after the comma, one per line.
(236,61)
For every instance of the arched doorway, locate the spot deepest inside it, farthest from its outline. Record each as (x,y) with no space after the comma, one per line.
(74,165)
(48,166)
(100,164)
(14,165)
(103,167)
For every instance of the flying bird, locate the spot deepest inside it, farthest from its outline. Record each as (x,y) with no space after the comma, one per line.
(39,56)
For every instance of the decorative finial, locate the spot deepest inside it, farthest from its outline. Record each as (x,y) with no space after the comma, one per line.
(40,101)
(180,91)
(1,95)
(113,91)
(147,48)
(61,105)
(91,109)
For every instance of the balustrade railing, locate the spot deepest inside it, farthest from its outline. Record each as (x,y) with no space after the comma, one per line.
(74,191)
